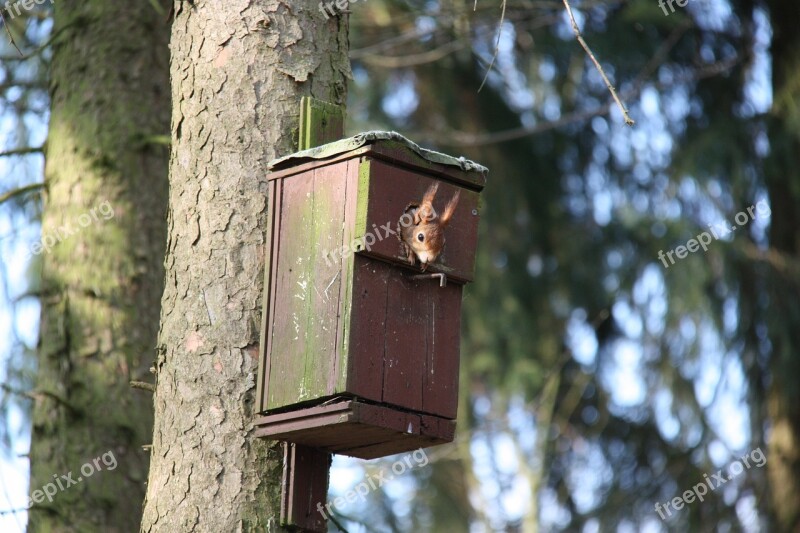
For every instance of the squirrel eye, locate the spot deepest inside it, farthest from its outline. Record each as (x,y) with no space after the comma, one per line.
(420,237)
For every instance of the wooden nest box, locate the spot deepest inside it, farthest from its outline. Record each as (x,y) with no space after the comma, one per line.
(359,349)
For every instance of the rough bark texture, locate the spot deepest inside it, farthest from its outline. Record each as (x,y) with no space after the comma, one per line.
(103,276)
(238,70)
(783,182)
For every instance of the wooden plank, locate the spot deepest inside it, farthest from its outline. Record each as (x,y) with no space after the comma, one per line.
(271,289)
(363,200)
(305,483)
(341,407)
(266,323)
(357,429)
(344,365)
(369,442)
(353,435)
(406,340)
(368,328)
(327,238)
(440,393)
(383,197)
(310,164)
(292,285)
(384,417)
(320,123)
(437,432)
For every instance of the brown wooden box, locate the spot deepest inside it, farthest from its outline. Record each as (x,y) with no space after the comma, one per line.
(356,357)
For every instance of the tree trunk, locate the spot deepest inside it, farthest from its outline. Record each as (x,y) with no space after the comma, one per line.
(238,71)
(783,182)
(103,236)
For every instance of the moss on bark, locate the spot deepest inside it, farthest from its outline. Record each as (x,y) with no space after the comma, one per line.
(103,236)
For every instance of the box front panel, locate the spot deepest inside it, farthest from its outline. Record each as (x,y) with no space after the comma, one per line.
(385,191)
(404,345)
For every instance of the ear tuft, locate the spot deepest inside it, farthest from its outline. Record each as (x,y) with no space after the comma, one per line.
(450,208)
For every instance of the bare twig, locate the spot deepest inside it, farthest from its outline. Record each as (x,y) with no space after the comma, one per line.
(55,34)
(143,386)
(142,140)
(336,522)
(22,151)
(19,191)
(17,392)
(414,59)
(660,55)
(496,44)
(461,138)
(38,394)
(8,30)
(628,120)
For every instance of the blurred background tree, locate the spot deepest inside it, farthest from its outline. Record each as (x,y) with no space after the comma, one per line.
(597,380)
(98,271)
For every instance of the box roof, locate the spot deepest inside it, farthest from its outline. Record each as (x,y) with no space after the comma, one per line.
(360,140)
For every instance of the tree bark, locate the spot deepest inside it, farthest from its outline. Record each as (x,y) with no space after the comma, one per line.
(783,182)
(238,71)
(103,237)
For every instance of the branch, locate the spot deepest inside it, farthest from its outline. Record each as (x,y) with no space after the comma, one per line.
(628,120)
(141,140)
(20,191)
(17,392)
(81,20)
(496,44)
(336,522)
(38,394)
(143,385)
(784,264)
(24,84)
(23,151)
(417,33)
(413,60)
(8,30)
(462,138)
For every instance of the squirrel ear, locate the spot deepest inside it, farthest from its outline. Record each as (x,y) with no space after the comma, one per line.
(450,208)
(430,194)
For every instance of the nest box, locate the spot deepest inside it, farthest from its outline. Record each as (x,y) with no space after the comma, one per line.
(359,350)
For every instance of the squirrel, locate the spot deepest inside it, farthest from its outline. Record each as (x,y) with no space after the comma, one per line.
(422,235)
